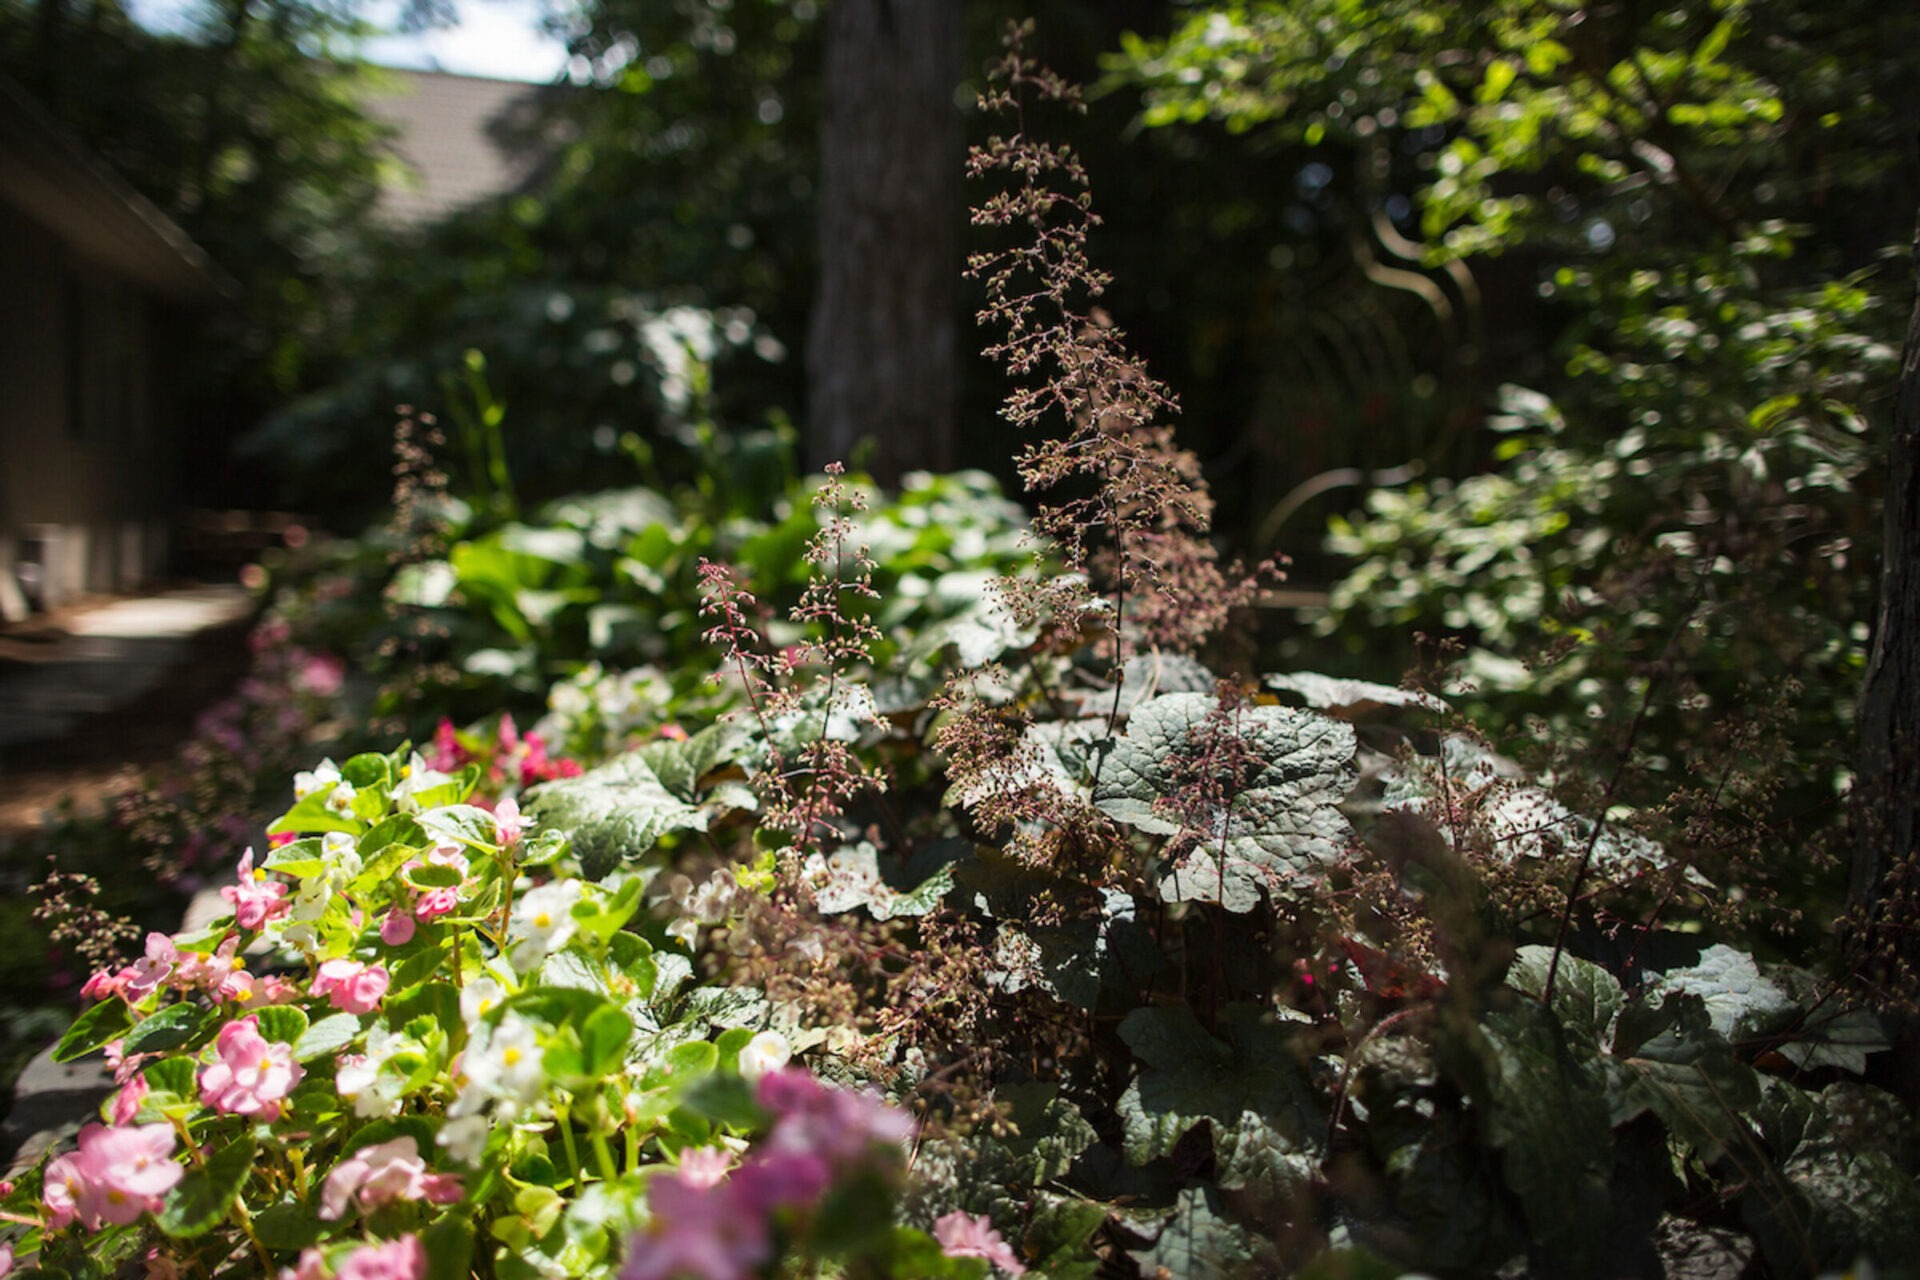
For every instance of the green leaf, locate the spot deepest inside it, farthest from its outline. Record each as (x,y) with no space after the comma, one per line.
(311,815)
(282,1023)
(1256,789)
(464,824)
(849,878)
(287,1226)
(169,1028)
(680,765)
(1739,1001)
(1687,1075)
(1586,998)
(1254,1090)
(205,1194)
(614,813)
(1544,1107)
(448,1244)
(327,1036)
(93,1029)
(1199,1242)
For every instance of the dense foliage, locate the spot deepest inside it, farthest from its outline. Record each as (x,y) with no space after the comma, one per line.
(1187,967)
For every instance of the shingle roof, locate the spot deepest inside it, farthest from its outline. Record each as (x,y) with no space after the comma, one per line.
(464,138)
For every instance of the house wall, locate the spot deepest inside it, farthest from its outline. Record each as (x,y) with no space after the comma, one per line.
(85,486)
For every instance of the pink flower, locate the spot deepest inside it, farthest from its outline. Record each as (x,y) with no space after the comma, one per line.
(704,1166)
(251,1076)
(402,1259)
(964,1236)
(837,1125)
(700,1232)
(435,903)
(352,987)
(506,822)
(773,1180)
(126,1103)
(198,971)
(144,976)
(101,985)
(446,755)
(312,1266)
(397,928)
(117,1174)
(379,1175)
(6,1259)
(256,897)
(161,1265)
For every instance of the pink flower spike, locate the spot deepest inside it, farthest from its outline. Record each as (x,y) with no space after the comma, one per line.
(250,1077)
(397,928)
(964,1236)
(352,987)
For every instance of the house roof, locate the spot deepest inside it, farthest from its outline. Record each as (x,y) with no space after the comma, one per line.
(50,176)
(465,138)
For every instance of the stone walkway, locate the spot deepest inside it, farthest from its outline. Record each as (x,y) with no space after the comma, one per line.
(88,697)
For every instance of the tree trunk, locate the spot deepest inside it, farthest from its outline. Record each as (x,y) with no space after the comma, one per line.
(882,355)
(1885,880)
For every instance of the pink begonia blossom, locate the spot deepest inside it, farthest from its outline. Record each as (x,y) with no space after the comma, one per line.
(704,1166)
(352,987)
(6,1258)
(507,823)
(838,1125)
(964,1236)
(312,1266)
(252,1076)
(123,1067)
(397,928)
(773,1180)
(402,1259)
(118,1173)
(126,1103)
(144,976)
(379,1175)
(101,985)
(435,903)
(201,971)
(256,897)
(446,755)
(700,1232)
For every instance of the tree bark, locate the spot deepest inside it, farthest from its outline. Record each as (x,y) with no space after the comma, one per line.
(1885,874)
(882,349)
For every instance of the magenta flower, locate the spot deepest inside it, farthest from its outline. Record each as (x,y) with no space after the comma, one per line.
(837,1125)
(117,1174)
(771,1180)
(963,1236)
(700,1232)
(402,1259)
(379,1175)
(352,987)
(251,1077)
(256,897)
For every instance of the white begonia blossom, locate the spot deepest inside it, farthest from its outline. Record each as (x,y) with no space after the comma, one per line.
(768,1051)
(361,1077)
(502,1064)
(341,852)
(415,778)
(542,922)
(310,781)
(463,1136)
(340,799)
(478,997)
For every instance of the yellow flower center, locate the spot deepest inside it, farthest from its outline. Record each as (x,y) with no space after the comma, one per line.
(511,1057)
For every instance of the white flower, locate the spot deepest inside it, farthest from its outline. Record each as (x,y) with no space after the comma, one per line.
(414,779)
(768,1051)
(308,782)
(477,998)
(361,1077)
(464,1136)
(341,852)
(503,1064)
(340,799)
(542,922)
